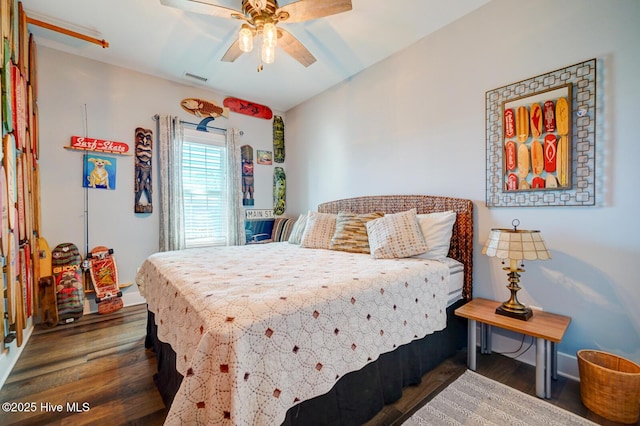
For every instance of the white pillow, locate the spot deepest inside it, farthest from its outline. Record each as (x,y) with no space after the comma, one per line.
(395,236)
(298,229)
(319,230)
(437,229)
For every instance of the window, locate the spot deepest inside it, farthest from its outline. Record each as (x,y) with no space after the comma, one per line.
(204,188)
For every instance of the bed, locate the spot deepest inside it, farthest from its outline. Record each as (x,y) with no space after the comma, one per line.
(358,329)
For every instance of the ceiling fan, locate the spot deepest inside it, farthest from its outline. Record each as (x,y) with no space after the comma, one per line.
(261,19)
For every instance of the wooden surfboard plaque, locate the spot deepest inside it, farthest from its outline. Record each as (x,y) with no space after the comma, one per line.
(537,158)
(523,161)
(536,120)
(248,108)
(522,124)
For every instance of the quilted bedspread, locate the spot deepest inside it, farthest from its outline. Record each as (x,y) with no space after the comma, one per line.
(259,328)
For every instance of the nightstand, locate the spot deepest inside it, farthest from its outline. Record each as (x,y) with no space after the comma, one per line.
(547,328)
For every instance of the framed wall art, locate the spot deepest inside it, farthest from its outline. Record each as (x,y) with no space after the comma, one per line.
(540,140)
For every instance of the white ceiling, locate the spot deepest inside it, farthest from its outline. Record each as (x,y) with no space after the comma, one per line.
(145,36)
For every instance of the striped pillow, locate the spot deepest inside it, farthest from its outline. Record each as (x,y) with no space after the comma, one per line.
(351,232)
(396,235)
(282,227)
(319,230)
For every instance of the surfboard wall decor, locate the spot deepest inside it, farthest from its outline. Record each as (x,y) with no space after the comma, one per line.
(19,177)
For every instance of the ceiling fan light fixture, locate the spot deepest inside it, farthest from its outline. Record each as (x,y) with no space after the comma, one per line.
(245,38)
(268,53)
(270,34)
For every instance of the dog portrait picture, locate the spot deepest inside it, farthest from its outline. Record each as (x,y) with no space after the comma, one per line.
(99,172)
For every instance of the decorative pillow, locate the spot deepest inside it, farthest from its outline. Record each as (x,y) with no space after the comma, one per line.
(282,227)
(319,230)
(351,232)
(298,229)
(396,235)
(437,229)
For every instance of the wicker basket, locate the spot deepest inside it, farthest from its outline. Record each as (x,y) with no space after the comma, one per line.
(610,385)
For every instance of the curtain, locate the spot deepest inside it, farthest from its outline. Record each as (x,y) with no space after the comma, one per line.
(170,137)
(236,235)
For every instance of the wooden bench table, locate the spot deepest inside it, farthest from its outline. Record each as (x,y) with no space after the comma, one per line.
(547,328)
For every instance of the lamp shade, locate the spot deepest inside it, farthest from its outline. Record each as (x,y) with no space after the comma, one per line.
(516,244)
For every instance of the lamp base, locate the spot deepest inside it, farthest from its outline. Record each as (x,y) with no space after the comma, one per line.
(523,313)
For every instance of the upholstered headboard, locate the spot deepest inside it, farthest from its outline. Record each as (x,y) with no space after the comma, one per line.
(461,247)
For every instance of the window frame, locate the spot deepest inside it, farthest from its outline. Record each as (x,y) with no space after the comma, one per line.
(217,140)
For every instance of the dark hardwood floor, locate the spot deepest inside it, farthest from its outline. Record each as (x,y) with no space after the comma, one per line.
(100,364)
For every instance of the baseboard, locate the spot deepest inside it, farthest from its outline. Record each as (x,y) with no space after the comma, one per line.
(506,342)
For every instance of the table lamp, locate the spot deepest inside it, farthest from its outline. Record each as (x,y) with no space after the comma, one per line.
(516,245)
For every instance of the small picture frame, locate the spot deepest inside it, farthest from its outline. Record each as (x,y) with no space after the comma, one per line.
(265,157)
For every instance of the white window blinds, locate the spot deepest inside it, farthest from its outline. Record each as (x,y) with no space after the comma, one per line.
(204,188)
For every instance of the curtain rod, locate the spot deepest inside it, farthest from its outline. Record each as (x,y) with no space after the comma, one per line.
(200,126)
(65,31)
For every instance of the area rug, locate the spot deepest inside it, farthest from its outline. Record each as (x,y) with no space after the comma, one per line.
(476,400)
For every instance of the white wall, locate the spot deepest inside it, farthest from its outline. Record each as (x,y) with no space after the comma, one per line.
(415,123)
(117,101)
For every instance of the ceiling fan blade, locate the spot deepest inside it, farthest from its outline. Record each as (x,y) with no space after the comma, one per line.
(202,6)
(304,10)
(233,52)
(294,48)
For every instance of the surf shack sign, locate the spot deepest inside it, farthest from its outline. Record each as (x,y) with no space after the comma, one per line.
(99,145)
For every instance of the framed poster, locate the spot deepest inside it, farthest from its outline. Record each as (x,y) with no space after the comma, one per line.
(540,140)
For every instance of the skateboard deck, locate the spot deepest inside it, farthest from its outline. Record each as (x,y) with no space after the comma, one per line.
(9,163)
(7,101)
(12,288)
(509,124)
(523,161)
(279,191)
(4,211)
(549,117)
(562,161)
(512,182)
(251,109)
(104,277)
(562,116)
(44,256)
(550,153)
(67,273)
(522,124)
(278,139)
(510,155)
(537,159)
(246,158)
(538,182)
(536,120)
(48,306)
(2,333)
(20,193)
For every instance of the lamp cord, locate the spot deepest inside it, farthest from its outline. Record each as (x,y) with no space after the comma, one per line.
(520,348)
